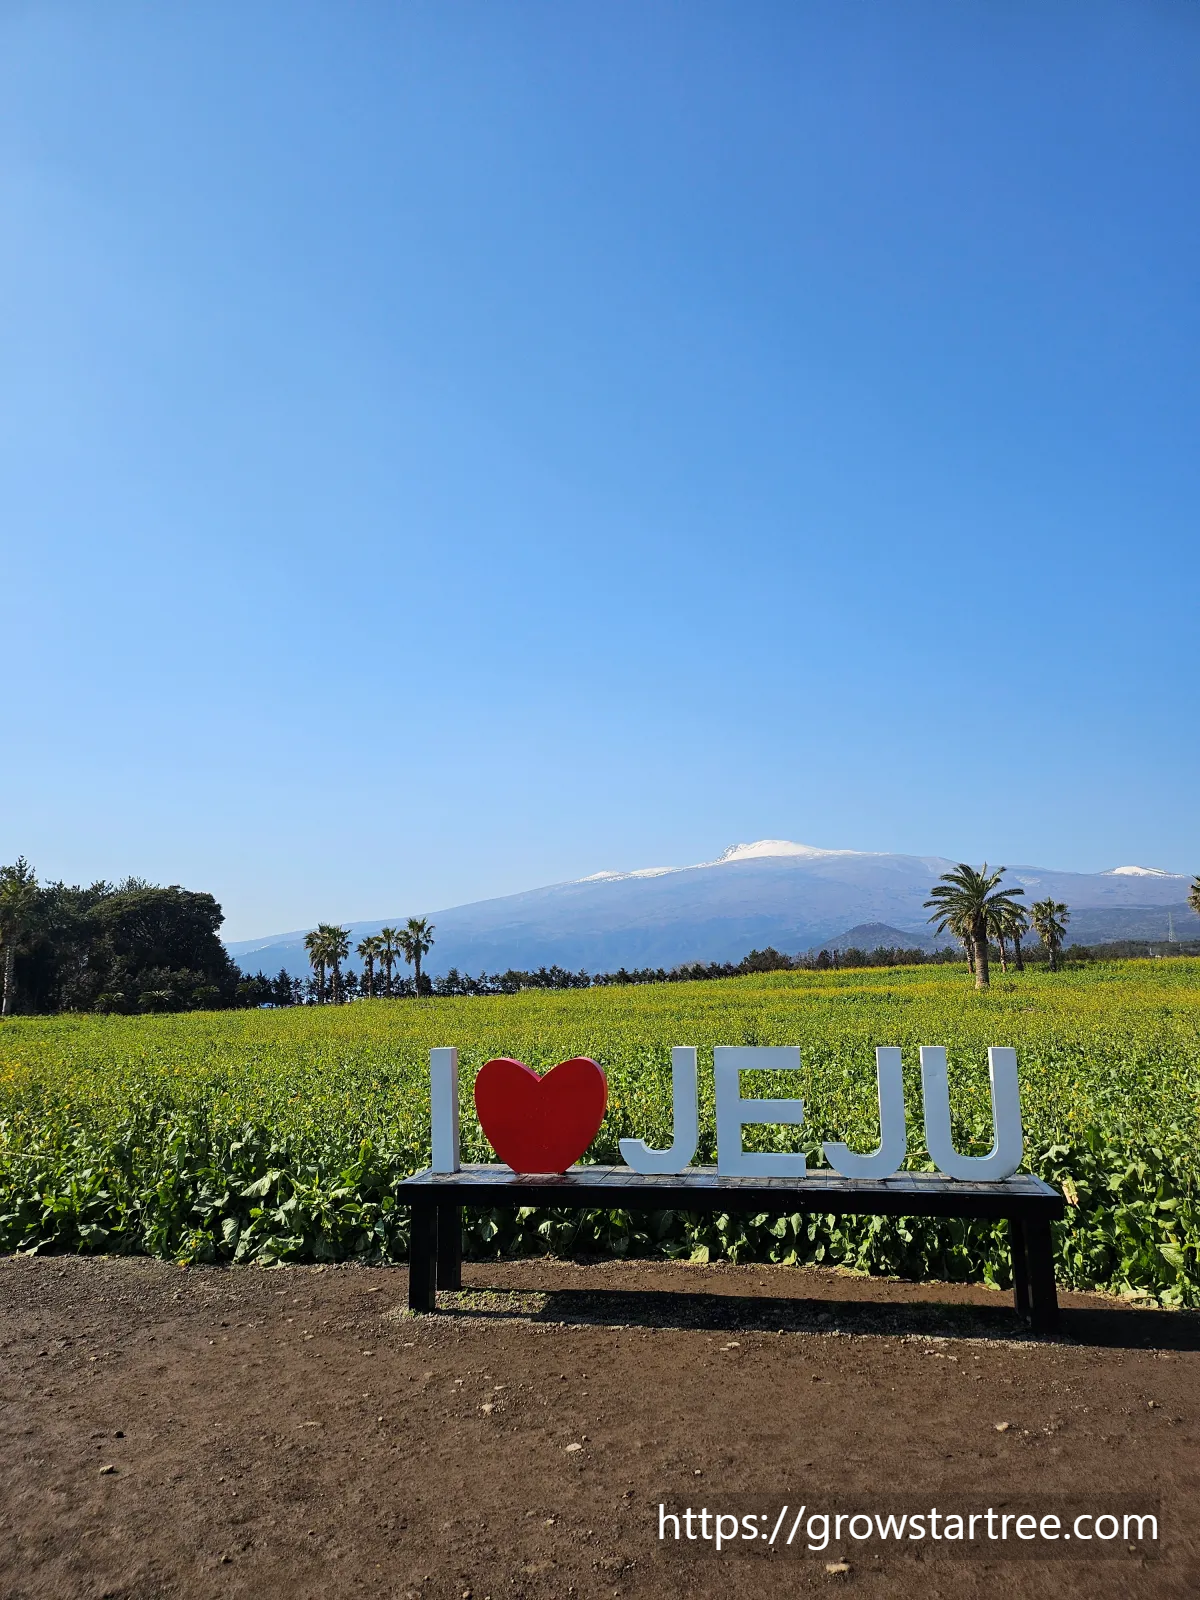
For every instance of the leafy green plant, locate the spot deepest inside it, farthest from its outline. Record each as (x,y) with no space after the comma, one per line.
(283,1136)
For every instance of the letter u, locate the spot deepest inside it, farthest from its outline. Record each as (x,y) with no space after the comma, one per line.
(1008,1146)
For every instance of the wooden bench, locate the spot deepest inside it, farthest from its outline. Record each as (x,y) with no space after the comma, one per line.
(437,1199)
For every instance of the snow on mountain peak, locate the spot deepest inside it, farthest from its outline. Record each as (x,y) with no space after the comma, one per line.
(639,872)
(776,847)
(1139,872)
(760,850)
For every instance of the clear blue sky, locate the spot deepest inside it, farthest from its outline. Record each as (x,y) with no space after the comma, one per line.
(451,447)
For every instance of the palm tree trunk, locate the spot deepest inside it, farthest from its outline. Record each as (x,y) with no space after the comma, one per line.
(417,973)
(1018,958)
(1003,953)
(982,978)
(336,985)
(10,951)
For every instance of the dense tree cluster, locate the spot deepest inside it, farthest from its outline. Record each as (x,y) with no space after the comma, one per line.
(125,947)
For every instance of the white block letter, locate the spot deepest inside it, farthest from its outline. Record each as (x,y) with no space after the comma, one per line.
(443,1108)
(733,1113)
(682,1153)
(1009,1139)
(893,1136)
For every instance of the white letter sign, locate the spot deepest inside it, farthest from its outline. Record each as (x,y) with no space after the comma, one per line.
(443,1108)
(682,1153)
(733,1113)
(1003,1159)
(893,1135)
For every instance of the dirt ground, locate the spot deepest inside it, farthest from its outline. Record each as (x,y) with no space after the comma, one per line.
(296,1433)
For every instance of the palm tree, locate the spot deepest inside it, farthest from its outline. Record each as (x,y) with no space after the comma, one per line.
(416,940)
(18,896)
(1194,895)
(1050,918)
(389,950)
(317,945)
(1008,921)
(1017,926)
(368,949)
(966,902)
(337,945)
(962,932)
(998,930)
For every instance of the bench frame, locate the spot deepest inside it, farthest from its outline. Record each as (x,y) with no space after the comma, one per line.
(437,1199)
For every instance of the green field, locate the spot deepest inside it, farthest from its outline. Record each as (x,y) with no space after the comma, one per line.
(280,1135)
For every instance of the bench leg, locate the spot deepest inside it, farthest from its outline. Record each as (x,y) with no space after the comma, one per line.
(1020,1266)
(422,1257)
(1043,1295)
(449,1247)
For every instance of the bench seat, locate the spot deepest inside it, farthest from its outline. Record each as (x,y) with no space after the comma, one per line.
(437,1199)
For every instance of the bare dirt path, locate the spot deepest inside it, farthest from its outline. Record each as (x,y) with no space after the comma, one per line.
(219,1433)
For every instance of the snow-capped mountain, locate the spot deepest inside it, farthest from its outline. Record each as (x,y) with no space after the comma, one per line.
(771,892)
(1138,872)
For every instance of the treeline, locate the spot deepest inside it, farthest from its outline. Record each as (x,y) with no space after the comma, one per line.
(285,990)
(768,960)
(1132,950)
(125,947)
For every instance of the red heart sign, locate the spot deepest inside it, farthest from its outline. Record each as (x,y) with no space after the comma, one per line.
(540,1124)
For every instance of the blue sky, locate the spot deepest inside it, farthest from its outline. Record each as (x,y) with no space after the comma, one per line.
(449,448)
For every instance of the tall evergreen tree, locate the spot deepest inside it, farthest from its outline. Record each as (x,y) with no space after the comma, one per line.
(18,899)
(283,991)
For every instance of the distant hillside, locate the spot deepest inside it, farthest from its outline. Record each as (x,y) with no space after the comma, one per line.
(878,935)
(792,896)
(1102,926)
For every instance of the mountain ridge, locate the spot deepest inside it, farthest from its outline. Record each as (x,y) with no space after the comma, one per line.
(768,892)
